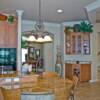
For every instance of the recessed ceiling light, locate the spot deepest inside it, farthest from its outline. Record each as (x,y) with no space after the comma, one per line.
(59,10)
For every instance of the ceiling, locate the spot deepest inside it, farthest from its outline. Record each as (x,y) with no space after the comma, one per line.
(72,9)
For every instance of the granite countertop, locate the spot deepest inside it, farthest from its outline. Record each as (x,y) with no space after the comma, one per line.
(80,62)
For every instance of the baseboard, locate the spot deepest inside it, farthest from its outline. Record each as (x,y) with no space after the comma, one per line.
(91,81)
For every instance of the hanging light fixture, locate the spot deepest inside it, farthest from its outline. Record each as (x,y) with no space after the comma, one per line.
(39,35)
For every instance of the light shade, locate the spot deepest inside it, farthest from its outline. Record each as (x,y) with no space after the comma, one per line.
(31,38)
(44,39)
(24,38)
(40,39)
(47,38)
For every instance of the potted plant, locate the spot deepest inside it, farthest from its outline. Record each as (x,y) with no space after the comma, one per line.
(86,27)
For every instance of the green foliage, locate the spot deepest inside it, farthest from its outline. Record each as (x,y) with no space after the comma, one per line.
(11,18)
(23,43)
(86,27)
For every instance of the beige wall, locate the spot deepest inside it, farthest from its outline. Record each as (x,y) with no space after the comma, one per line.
(97,25)
(49,50)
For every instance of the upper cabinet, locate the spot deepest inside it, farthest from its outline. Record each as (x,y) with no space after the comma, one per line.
(12,34)
(2,33)
(8,34)
(77,43)
(77,38)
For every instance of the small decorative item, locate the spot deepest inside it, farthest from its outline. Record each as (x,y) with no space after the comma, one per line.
(3,17)
(68,29)
(76,28)
(37,53)
(11,18)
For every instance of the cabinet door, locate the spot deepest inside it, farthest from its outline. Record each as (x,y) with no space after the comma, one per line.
(76,43)
(73,43)
(68,70)
(12,35)
(86,43)
(2,33)
(67,44)
(85,72)
(79,43)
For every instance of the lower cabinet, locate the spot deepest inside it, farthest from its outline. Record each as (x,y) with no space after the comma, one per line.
(83,71)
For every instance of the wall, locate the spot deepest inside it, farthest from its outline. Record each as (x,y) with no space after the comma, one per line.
(57,30)
(97,26)
(49,49)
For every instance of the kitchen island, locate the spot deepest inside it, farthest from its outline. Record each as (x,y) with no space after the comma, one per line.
(59,86)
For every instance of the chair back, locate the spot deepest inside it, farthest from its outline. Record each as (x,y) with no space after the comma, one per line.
(75,80)
(10,94)
(1,95)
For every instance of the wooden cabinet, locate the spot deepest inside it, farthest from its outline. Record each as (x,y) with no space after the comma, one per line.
(2,33)
(8,45)
(84,71)
(8,34)
(12,35)
(68,70)
(77,43)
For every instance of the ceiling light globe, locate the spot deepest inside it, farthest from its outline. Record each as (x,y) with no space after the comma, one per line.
(59,10)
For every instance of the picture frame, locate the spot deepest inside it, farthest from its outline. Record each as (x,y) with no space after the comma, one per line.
(37,53)
(31,51)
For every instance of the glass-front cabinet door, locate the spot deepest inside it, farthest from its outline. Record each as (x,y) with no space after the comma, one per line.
(77,43)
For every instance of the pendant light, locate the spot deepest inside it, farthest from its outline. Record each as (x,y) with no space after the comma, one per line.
(39,35)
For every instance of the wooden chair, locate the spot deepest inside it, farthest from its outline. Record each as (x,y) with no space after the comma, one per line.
(1,95)
(62,90)
(11,94)
(75,82)
(50,75)
(29,78)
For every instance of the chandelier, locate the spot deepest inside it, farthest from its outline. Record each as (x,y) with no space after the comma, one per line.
(39,35)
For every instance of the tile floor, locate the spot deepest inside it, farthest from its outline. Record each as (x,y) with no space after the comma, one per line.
(88,91)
